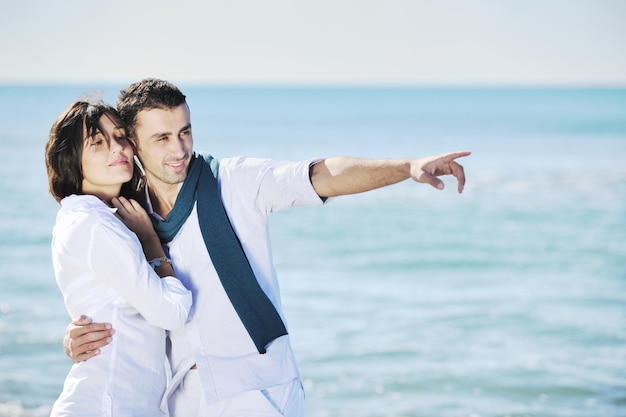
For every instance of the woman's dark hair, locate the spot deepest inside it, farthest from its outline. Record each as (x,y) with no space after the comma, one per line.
(64,147)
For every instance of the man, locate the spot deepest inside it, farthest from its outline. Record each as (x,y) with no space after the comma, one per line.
(230,359)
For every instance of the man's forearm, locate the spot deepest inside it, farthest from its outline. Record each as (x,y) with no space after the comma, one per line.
(344,175)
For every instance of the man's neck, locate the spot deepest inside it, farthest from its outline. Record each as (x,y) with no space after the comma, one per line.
(163,198)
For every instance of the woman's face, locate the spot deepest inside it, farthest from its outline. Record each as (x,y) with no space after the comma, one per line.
(107,160)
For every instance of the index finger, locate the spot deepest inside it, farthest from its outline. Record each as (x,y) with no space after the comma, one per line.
(79,331)
(128,205)
(120,203)
(451,156)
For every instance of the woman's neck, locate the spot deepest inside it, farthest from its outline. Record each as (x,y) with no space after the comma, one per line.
(105,195)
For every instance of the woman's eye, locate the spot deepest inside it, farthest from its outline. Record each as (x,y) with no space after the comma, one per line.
(97,142)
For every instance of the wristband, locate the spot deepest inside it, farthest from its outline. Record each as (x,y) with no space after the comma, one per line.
(159,261)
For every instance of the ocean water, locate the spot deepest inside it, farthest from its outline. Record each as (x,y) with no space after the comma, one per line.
(507,300)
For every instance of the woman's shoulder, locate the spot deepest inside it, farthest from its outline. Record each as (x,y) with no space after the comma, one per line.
(85,211)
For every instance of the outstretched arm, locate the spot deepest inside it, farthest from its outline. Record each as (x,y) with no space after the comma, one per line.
(347,175)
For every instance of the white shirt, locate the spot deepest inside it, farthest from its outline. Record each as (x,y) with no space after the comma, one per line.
(101,270)
(214,337)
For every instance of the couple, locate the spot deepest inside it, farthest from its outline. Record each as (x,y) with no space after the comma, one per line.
(231,356)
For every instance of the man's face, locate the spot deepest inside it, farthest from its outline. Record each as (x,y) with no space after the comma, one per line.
(164,144)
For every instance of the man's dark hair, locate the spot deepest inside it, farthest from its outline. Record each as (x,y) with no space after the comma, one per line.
(149,93)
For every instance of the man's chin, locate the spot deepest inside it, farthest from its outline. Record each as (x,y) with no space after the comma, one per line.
(177,179)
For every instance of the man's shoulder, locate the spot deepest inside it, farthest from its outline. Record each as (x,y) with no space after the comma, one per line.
(211,161)
(243,162)
(240,173)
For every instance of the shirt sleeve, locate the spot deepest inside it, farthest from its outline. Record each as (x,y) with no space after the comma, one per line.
(115,256)
(273,185)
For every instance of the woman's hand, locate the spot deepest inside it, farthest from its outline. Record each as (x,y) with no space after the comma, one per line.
(135,218)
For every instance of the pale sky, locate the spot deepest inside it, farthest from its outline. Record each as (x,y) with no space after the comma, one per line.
(403,42)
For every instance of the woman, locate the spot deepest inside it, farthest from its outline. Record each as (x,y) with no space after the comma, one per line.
(101,270)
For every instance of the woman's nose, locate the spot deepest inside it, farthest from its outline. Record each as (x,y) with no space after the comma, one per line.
(117,146)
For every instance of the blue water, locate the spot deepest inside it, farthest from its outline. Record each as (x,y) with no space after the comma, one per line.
(507,300)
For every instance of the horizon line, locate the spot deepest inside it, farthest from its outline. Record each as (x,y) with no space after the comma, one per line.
(326,85)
